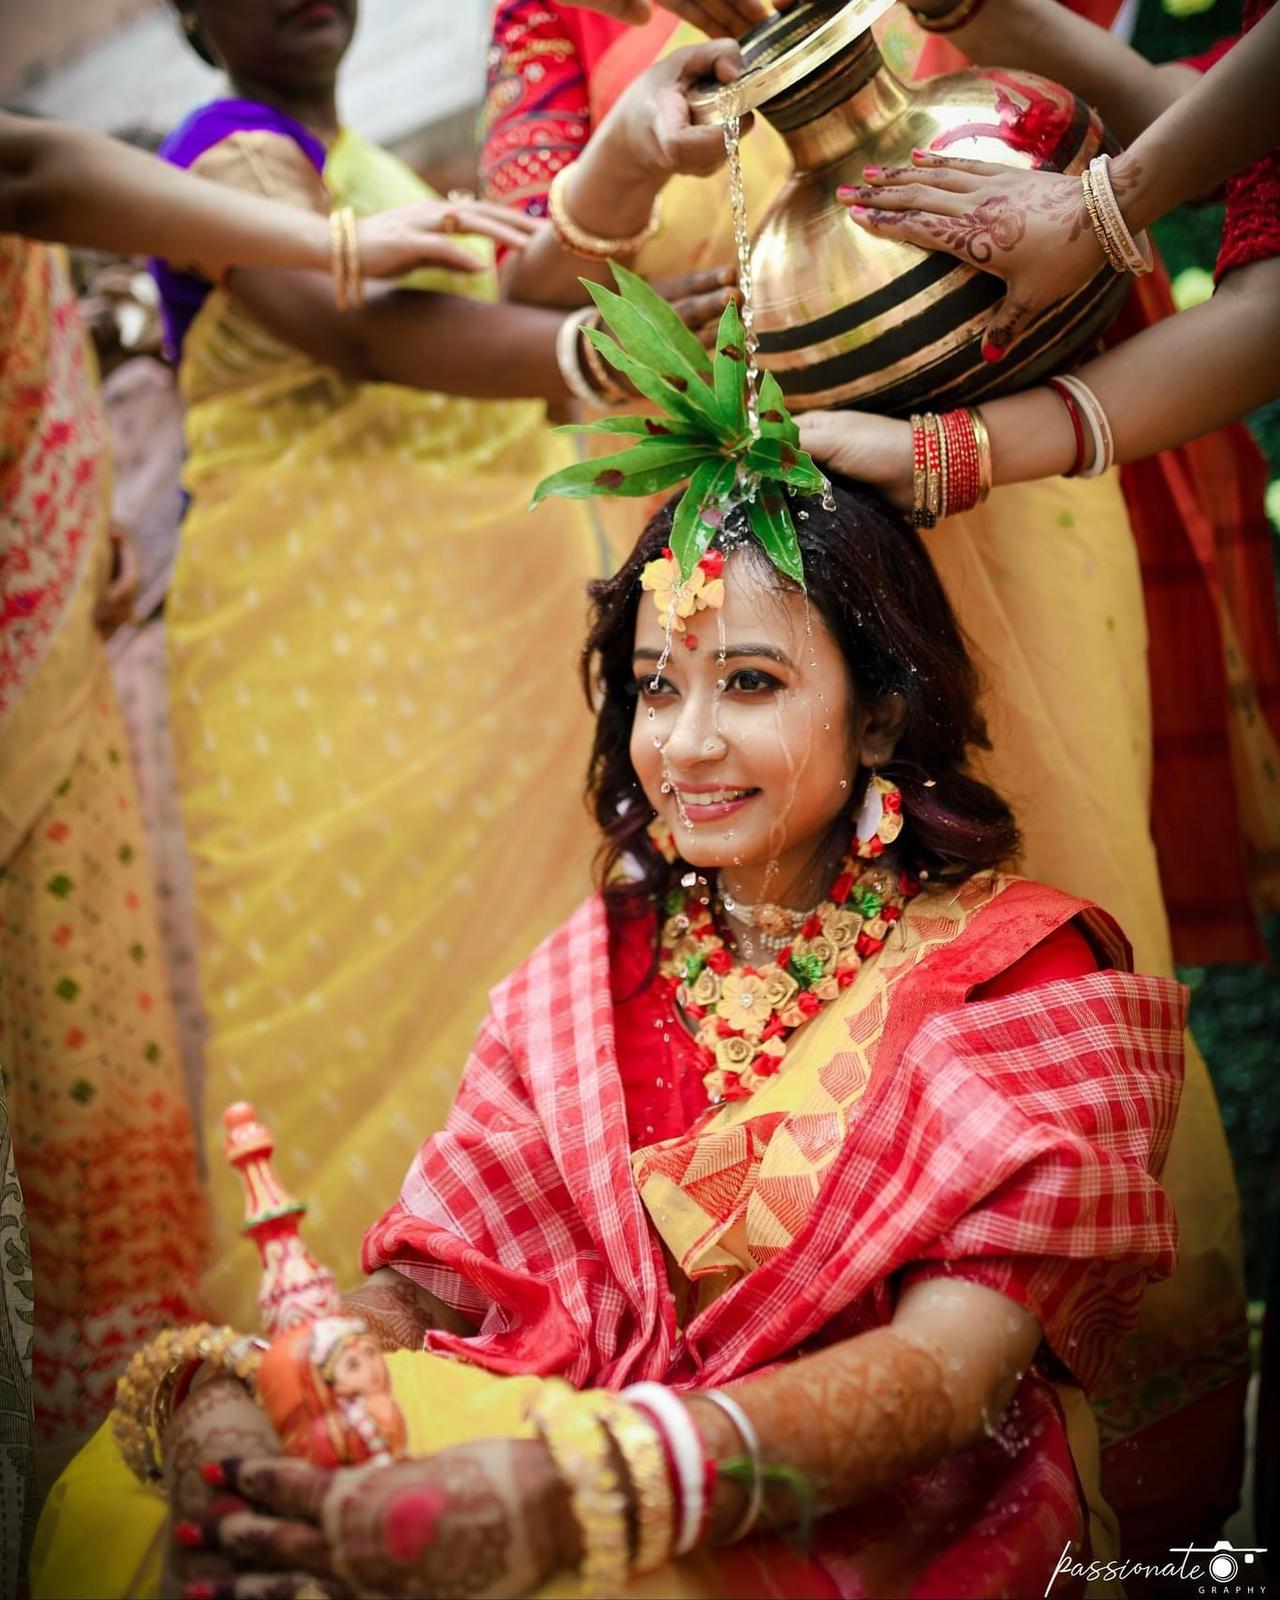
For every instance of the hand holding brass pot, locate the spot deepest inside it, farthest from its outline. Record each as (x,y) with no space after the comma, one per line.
(845,318)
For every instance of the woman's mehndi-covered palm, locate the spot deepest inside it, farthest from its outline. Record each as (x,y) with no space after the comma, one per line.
(1029,228)
(423,234)
(484,1518)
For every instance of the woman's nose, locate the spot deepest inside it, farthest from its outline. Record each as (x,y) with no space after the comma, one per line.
(695,735)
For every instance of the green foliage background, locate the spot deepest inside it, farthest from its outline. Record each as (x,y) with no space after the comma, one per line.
(1235,1011)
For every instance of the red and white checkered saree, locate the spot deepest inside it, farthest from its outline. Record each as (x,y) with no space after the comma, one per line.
(1013,1140)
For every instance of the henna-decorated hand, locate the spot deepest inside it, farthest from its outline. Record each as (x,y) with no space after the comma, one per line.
(872,449)
(221,1418)
(1029,228)
(486,1518)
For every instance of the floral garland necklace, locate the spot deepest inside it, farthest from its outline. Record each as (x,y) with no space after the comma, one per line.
(745,1015)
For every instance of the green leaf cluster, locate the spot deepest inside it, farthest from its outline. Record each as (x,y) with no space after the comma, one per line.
(703,435)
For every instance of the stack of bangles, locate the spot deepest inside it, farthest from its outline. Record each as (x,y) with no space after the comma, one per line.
(1095,443)
(344,258)
(594,385)
(950,465)
(158,1379)
(659,1506)
(1124,253)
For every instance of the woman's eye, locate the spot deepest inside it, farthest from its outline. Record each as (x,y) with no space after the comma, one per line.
(651,688)
(748,680)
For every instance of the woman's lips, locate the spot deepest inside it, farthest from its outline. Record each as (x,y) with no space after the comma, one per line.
(713,805)
(313,11)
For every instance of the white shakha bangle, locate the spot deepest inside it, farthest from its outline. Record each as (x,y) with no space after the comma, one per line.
(567,359)
(1095,419)
(751,1444)
(687,1454)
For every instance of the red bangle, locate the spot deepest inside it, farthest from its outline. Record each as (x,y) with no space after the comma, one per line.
(1077,425)
(963,475)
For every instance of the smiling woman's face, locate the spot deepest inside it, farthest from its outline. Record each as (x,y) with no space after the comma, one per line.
(748,745)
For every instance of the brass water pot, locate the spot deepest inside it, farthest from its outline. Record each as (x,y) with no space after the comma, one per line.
(848,319)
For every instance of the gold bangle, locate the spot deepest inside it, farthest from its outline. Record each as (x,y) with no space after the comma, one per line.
(351,243)
(982,439)
(654,1500)
(579,1446)
(590,246)
(338,259)
(144,1394)
(611,392)
(934,501)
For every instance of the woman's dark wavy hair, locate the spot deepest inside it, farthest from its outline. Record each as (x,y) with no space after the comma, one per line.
(869,577)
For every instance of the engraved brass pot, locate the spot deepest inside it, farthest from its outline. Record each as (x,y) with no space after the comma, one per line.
(848,319)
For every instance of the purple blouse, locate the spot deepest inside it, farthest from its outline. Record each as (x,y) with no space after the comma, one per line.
(183,293)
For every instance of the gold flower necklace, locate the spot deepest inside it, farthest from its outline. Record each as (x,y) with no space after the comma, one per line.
(744,1015)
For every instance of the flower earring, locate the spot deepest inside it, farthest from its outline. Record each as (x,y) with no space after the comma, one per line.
(880,820)
(663,840)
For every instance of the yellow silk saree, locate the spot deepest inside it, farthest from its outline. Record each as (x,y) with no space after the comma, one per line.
(378,735)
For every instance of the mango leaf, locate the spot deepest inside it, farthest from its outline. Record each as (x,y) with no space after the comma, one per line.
(775,419)
(772,525)
(632,427)
(644,343)
(690,534)
(671,400)
(646,468)
(730,371)
(775,458)
(638,428)
(636,292)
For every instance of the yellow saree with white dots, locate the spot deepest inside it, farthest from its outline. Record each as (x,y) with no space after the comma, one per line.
(379,737)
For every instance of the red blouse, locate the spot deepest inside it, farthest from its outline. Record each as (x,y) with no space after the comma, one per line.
(656,1056)
(1251,229)
(537,113)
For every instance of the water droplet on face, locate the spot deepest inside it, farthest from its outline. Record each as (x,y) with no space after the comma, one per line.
(665,788)
(709,745)
(722,684)
(844,783)
(652,714)
(657,743)
(689,879)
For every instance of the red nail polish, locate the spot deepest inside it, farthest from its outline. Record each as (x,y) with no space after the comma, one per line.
(846,191)
(872,172)
(213,1475)
(198,1590)
(188,1534)
(859,211)
(992,352)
